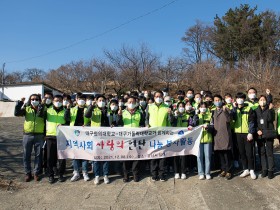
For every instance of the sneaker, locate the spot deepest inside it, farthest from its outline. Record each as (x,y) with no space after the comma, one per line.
(236,164)
(208,177)
(106,179)
(177,176)
(86,177)
(96,180)
(75,177)
(51,179)
(245,173)
(162,179)
(270,174)
(264,173)
(125,180)
(184,176)
(228,176)
(36,177)
(222,174)
(61,178)
(201,177)
(252,174)
(28,178)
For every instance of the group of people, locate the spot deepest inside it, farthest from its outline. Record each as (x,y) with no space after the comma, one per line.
(232,128)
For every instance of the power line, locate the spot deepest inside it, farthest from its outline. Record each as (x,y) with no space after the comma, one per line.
(96,36)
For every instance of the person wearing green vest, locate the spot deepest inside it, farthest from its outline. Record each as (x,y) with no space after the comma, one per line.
(229,104)
(47,101)
(182,118)
(158,115)
(76,117)
(97,112)
(244,128)
(205,148)
(131,117)
(55,116)
(33,134)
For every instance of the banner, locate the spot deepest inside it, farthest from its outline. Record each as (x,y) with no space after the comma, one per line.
(119,143)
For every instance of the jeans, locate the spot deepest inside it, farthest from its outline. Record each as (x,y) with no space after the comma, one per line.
(265,147)
(30,141)
(204,159)
(77,164)
(97,168)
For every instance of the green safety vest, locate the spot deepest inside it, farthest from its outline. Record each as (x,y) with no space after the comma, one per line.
(230,107)
(96,117)
(73,114)
(158,115)
(278,121)
(205,119)
(253,105)
(54,119)
(131,120)
(241,124)
(33,123)
(182,120)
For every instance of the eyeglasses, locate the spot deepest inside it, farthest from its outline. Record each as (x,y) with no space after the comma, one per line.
(34,99)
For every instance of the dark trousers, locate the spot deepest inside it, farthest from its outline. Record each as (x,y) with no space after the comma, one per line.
(180,164)
(45,159)
(265,147)
(225,160)
(157,167)
(52,157)
(134,165)
(246,150)
(235,151)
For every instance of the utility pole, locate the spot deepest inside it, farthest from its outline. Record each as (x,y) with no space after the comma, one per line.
(3,73)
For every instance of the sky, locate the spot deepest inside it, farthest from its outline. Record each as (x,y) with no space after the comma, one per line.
(48,34)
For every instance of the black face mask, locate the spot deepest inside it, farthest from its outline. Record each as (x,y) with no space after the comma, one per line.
(209,103)
(181,98)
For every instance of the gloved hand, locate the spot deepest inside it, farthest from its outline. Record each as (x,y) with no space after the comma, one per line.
(250,137)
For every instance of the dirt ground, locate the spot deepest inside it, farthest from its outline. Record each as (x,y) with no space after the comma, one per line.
(191,193)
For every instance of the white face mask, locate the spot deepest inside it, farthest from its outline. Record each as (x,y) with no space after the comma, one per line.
(188,108)
(65,103)
(143,103)
(189,96)
(158,100)
(131,106)
(252,96)
(228,100)
(240,101)
(121,103)
(101,104)
(81,102)
(146,95)
(114,108)
(57,104)
(89,102)
(262,103)
(181,109)
(202,110)
(48,101)
(35,103)
(197,100)
(167,103)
